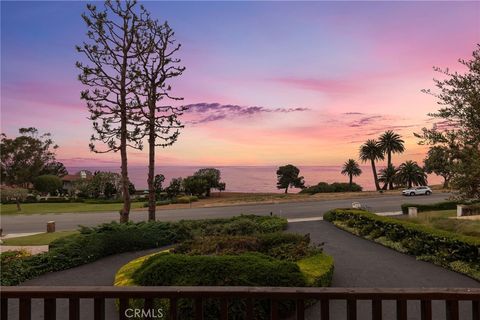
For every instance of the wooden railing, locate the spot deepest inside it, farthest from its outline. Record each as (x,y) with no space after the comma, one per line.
(351,296)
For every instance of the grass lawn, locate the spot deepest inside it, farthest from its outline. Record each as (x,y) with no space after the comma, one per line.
(37,239)
(444,220)
(32,208)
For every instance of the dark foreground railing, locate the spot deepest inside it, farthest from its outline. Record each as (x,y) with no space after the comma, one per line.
(449,297)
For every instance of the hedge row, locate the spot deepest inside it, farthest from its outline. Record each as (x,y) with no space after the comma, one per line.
(94,243)
(438,246)
(324,187)
(445,205)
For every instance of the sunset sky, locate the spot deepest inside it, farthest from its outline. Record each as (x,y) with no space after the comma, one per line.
(267,83)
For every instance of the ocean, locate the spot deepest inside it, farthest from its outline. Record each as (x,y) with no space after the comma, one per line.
(251,178)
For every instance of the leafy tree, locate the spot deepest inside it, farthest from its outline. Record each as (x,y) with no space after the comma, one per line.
(372,151)
(131,188)
(14,194)
(288,176)
(47,184)
(411,174)
(196,185)
(352,169)
(104,183)
(174,188)
(111,78)
(55,168)
(28,156)
(156,48)
(157,185)
(439,160)
(388,175)
(222,186)
(391,142)
(212,177)
(458,124)
(110,190)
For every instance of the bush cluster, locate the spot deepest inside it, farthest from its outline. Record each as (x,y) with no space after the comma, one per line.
(324,187)
(94,243)
(443,247)
(248,269)
(279,245)
(182,199)
(445,205)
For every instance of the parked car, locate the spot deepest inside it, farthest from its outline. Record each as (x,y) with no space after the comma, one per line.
(417,191)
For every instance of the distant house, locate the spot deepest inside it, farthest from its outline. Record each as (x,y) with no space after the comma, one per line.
(70,179)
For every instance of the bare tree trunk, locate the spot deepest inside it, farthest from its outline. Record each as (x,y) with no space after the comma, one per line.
(151,165)
(18,205)
(286,189)
(446,182)
(351,180)
(375,177)
(389,163)
(125,212)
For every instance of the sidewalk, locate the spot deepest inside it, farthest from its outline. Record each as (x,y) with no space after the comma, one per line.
(31,249)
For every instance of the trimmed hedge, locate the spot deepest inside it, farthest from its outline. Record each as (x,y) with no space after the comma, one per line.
(324,187)
(438,246)
(317,269)
(445,205)
(279,245)
(92,244)
(248,269)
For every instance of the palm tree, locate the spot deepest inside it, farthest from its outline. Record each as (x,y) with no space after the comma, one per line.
(371,151)
(391,142)
(388,175)
(410,174)
(351,168)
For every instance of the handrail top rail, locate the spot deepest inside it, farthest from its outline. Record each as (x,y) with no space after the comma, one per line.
(241,292)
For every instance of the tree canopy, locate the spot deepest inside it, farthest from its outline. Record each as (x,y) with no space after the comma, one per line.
(457,123)
(28,156)
(288,177)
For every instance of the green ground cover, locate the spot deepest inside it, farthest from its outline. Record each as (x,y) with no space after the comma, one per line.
(445,220)
(44,208)
(37,239)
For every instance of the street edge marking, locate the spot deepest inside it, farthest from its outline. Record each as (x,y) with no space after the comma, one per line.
(304,219)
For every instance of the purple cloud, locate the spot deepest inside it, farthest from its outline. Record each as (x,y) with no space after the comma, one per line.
(209,112)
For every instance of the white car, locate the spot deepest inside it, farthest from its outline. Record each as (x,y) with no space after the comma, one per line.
(417,191)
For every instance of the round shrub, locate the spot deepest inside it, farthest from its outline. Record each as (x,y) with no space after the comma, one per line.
(249,269)
(240,270)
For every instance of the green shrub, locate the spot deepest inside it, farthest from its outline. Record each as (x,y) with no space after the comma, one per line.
(13,267)
(323,187)
(284,246)
(185,199)
(317,269)
(418,240)
(112,238)
(238,270)
(248,269)
(239,225)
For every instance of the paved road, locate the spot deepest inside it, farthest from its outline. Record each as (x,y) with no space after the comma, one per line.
(358,263)
(69,221)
